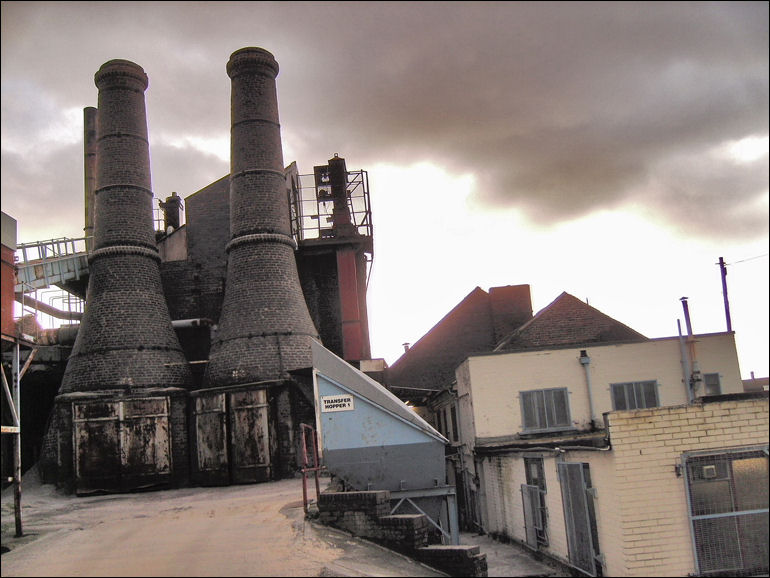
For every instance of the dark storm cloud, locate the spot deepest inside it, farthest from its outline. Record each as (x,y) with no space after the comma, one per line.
(558,109)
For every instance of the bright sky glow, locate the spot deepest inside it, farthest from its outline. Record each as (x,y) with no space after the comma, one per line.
(748,149)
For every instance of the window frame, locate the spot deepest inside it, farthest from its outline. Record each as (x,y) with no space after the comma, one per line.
(632,386)
(718,383)
(548,410)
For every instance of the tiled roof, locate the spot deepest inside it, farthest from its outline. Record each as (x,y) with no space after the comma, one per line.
(568,321)
(473,325)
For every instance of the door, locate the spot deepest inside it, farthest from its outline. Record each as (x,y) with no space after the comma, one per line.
(209,424)
(579,517)
(121,445)
(533,493)
(232,437)
(250,449)
(96,432)
(145,443)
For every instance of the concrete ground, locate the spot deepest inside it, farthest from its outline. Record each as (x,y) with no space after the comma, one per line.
(251,530)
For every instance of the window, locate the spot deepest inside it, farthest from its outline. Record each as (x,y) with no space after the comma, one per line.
(711,384)
(545,409)
(455,431)
(446,422)
(634,395)
(439,422)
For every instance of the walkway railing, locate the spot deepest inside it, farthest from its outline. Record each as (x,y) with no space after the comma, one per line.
(52,262)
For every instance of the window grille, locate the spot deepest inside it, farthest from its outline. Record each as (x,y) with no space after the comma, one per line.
(545,409)
(634,395)
(728,500)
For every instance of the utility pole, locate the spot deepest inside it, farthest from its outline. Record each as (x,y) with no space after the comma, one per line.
(723,269)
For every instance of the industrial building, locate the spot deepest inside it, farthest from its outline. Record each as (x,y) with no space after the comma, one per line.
(216,310)
(228,348)
(209,346)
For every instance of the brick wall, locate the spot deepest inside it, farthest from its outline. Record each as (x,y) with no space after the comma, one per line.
(318,277)
(208,232)
(367,515)
(647,445)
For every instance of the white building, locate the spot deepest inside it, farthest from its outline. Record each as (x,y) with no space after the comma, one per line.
(603,457)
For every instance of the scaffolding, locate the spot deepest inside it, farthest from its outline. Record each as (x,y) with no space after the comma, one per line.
(12,396)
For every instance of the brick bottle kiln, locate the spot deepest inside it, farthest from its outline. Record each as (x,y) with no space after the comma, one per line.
(120,417)
(128,414)
(265,328)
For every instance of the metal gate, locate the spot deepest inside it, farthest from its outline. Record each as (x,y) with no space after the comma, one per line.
(727,493)
(579,517)
(121,445)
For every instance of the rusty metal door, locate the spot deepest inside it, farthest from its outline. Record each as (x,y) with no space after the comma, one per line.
(121,445)
(145,443)
(249,441)
(210,427)
(96,429)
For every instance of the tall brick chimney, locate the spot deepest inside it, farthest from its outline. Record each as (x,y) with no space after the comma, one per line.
(265,327)
(126,340)
(89,171)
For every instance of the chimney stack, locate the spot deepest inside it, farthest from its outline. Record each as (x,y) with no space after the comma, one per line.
(265,328)
(126,340)
(89,170)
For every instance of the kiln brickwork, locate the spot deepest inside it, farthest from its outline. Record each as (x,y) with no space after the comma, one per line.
(649,539)
(126,339)
(265,327)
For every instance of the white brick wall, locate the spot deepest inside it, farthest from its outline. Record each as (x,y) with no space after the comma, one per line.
(651,536)
(641,504)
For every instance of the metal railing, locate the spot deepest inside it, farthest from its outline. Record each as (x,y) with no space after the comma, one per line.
(312,209)
(44,263)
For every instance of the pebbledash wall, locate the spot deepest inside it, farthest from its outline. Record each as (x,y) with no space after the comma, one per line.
(640,498)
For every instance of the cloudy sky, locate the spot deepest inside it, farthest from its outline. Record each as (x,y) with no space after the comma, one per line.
(610,150)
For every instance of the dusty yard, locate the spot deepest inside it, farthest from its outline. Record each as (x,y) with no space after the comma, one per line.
(253,530)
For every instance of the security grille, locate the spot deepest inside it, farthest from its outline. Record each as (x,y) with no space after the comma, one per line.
(728,500)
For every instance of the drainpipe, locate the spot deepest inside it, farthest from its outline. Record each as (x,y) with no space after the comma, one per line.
(685,362)
(585,362)
(695,368)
